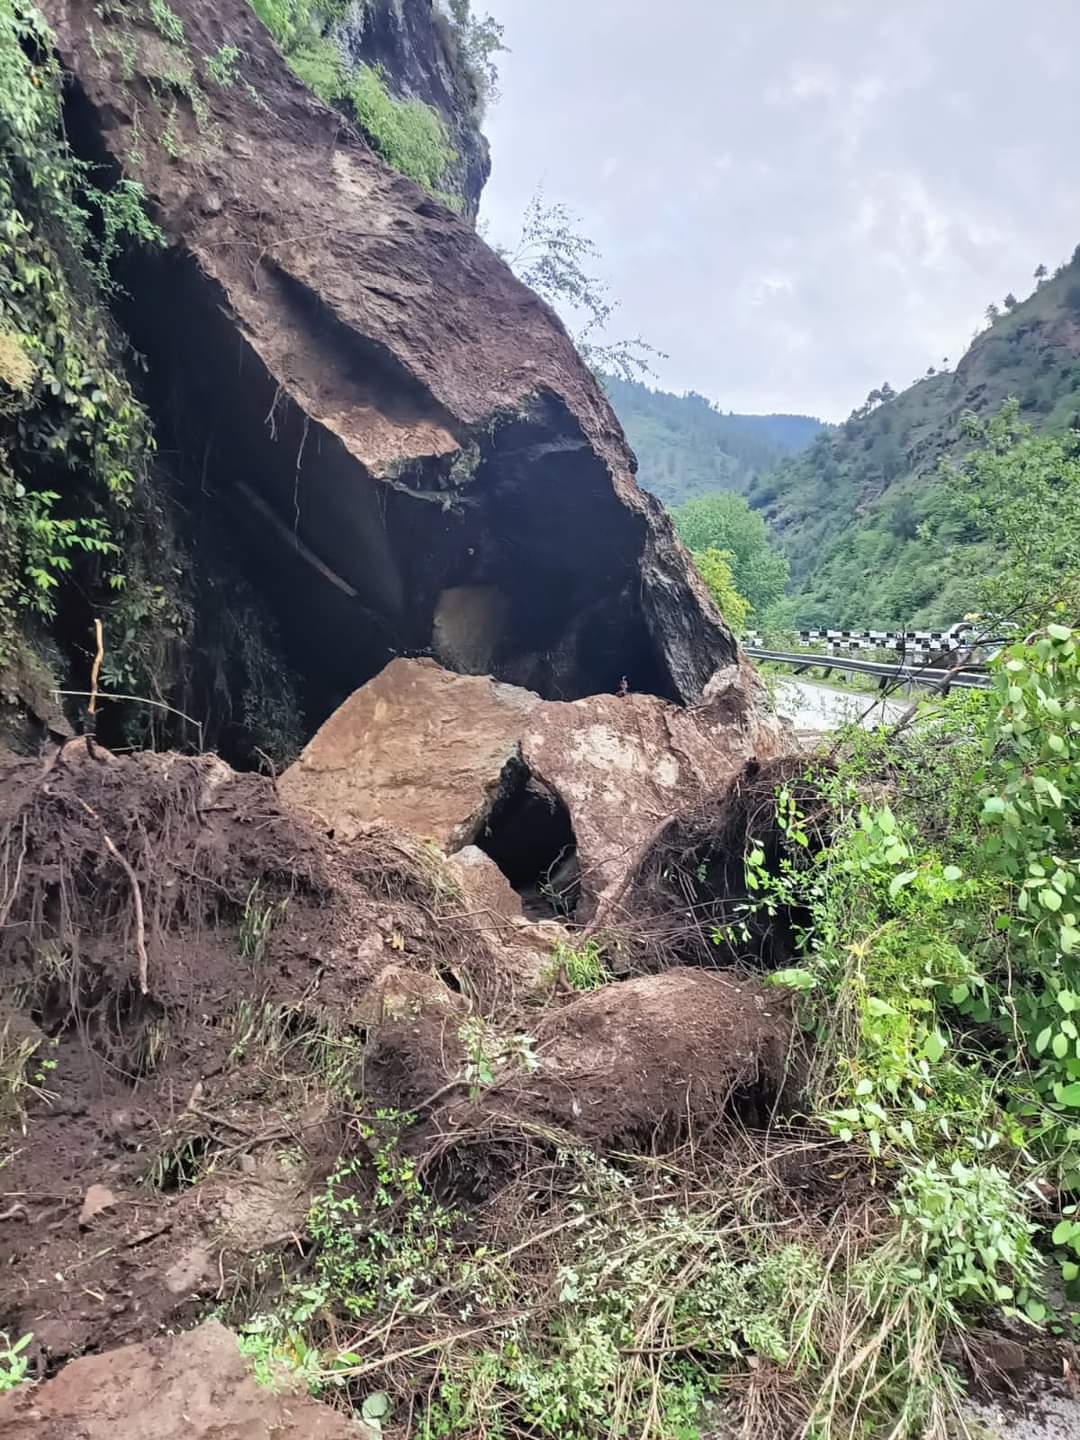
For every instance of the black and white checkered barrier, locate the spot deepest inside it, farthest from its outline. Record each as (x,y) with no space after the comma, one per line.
(906,642)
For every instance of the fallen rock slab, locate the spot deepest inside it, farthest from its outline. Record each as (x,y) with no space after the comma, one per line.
(560,794)
(418,748)
(194,1386)
(401,434)
(486,890)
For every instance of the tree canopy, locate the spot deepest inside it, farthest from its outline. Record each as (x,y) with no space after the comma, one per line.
(1020,492)
(714,567)
(725,522)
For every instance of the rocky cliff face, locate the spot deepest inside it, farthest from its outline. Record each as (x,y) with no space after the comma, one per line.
(415,49)
(401,436)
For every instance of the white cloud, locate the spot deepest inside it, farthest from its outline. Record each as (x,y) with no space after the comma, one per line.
(796,200)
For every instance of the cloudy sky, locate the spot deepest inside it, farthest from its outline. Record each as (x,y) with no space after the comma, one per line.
(796,199)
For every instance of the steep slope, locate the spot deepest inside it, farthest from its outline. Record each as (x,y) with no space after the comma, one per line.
(400,436)
(686,447)
(849,511)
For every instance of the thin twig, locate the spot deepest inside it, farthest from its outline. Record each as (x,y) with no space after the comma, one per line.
(138,700)
(136,896)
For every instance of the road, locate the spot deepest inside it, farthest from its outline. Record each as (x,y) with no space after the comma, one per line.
(915,671)
(819,707)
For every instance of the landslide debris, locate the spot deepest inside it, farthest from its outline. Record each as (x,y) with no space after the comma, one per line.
(193,1386)
(204,1001)
(561,795)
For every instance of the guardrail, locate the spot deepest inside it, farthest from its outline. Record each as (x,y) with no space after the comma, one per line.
(933,678)
(926,644)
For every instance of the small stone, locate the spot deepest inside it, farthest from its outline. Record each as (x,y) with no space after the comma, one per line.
(96,1199)
(189,1272)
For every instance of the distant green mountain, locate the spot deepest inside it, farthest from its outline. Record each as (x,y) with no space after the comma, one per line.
(861,514)
(687,448)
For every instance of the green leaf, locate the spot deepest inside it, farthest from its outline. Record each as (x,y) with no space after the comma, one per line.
(1070,938)
(934,1047)
(794,979)
(1042,1040)
(1069,1095)
(952,872)
(1060,1046)
(1059,632)
(376,1406)
(1049,899)
(899,881)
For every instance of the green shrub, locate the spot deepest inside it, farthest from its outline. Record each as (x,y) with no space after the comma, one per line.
(408,134)
(318,64)
(14,1363)
(582,965)
(61,388)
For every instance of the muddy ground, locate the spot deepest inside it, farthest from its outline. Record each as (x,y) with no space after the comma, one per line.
(205,977)
(204,1000)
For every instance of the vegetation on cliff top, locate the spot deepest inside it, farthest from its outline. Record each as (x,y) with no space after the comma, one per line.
(408,134)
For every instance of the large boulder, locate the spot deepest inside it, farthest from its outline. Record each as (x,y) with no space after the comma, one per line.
(418,748)
(193,1386)
(562,795)
(627,1065)
(399,437)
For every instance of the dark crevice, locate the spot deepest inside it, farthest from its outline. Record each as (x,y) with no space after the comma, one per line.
(529,835)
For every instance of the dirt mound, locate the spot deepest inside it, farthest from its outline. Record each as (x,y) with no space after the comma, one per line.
(686,899)
(177,1387)
(204,1004)
(188,979)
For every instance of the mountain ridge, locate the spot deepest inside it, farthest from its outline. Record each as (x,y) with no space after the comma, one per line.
(686,447)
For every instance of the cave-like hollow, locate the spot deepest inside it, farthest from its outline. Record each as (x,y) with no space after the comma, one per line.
(529,834)
(523,564)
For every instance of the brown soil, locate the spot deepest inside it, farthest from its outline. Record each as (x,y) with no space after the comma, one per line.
(686,899)
(186,1387)
(203,1111)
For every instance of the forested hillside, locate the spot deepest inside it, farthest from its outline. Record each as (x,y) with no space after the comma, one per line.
(687,448)
(862,514)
